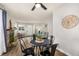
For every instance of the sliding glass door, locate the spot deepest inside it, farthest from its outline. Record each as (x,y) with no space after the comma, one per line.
(2,31)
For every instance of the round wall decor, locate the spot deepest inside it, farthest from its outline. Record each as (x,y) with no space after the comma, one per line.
(70,21)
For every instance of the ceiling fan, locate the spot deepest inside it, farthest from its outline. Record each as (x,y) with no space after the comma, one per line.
(38,5)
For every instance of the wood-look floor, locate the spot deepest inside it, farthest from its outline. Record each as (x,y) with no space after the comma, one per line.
(16,51)
(59,53)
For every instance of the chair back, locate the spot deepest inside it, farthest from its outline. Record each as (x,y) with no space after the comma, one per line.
(53,49)
(24,49)
(21,41)
(51,39)
(46,52)
(34,37)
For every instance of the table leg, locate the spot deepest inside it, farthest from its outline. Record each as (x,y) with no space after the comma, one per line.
(40,49)
(36,50)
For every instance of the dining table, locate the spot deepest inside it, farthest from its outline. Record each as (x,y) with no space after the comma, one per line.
(39,46)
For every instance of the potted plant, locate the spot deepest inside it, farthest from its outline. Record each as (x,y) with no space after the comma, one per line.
(11,37)
(11,34)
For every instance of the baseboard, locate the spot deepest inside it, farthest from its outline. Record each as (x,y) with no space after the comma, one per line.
(1,53)
(63,52)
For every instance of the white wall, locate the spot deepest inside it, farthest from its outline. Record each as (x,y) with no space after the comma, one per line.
(68,39)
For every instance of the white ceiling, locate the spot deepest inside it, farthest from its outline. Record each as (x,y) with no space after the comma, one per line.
(23,10)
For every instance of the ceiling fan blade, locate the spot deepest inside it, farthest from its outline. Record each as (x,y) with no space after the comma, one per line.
(33,8)
(43,6)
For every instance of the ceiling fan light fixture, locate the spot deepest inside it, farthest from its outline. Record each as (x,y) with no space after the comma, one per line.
(37,5)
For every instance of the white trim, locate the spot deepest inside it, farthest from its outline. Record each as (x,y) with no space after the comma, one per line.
(1,53)
(61,50)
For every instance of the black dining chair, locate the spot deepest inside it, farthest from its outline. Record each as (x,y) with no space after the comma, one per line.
(52,38)
(53,49)
(46,52)
(34,37)
(26,51)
